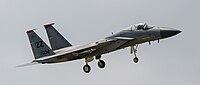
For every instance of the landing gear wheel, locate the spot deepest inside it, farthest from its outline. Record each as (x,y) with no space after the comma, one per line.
(135,60)
(101,64)
(86,68)
(134,50)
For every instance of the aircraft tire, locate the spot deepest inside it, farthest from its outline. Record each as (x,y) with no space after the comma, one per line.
(86,68)
(135,60)
(101,64)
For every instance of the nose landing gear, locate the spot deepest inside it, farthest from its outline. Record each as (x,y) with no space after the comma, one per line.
(134,50)
(135,60)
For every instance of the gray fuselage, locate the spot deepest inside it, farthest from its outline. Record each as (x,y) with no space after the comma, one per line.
(135,37)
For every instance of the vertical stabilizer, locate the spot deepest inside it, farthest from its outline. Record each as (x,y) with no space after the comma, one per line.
(39,47)
(56,40)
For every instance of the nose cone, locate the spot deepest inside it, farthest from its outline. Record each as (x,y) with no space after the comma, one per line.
(168,32)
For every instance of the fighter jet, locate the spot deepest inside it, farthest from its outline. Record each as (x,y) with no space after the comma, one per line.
(62,50)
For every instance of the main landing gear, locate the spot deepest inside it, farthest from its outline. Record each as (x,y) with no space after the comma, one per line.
(87,68)
(100,63)
(134,50)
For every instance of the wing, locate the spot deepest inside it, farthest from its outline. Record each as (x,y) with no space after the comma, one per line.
(113,43)
(79,52)
(89,48)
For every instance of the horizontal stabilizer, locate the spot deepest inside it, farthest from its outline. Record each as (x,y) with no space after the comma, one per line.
(28,64)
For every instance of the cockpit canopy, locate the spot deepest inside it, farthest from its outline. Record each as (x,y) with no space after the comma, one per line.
(140,26)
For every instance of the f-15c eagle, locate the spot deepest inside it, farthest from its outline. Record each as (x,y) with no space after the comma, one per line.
(62,51)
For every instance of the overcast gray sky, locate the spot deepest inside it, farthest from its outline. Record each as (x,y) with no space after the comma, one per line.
(174,61)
